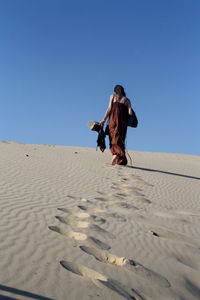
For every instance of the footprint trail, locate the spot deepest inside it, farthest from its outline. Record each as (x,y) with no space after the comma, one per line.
(129,264)
(83,224)
(102,281)
(79,236)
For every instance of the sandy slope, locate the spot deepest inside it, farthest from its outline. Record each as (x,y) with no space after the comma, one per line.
(73,227)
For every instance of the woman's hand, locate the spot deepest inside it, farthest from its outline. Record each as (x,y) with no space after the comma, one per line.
(102,123)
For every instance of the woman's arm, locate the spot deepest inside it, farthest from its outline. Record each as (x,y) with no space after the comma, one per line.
(107,113)
(129,107)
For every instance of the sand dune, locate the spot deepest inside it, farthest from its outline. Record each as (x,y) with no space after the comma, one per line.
(73,227)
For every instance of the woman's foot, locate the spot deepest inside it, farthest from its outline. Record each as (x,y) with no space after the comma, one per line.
(114,160)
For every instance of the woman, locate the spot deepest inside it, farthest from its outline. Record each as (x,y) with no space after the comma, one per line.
(118,110)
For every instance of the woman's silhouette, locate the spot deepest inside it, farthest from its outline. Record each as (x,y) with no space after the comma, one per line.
(118,110)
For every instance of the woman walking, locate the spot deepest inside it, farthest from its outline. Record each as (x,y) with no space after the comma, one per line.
(118,110)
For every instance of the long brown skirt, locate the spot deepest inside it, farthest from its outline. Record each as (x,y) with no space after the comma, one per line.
(117,132)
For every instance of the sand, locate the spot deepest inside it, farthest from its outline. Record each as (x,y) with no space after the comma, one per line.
(73,227)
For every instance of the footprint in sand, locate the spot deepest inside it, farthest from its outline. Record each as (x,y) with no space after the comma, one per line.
(101,199)
(68,233)
(126,205)
(141,199)
(130,188)
(102,281)
(79,198)
(138,179)
(129,264)
(85,224)
(134,194)
(187,259)
(79,236)
(71,197)
(131,192)
(192,287)
(124,179)
(122,195)
(119,204)
(83,215)
(100,193)
(103,213)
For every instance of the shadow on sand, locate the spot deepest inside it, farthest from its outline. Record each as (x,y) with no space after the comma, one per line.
(17,293)
(164,172)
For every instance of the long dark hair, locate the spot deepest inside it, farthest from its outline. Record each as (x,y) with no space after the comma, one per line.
(119,90)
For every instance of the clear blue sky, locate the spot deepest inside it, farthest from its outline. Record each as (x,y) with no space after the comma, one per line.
(60,59)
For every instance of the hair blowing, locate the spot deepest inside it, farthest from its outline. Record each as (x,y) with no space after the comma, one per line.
(119,90)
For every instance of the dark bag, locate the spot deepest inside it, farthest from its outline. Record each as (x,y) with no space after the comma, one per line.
(96,126)
(101,140)
(106,129)
(132,120)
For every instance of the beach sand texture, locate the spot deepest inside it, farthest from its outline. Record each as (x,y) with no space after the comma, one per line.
(73,227)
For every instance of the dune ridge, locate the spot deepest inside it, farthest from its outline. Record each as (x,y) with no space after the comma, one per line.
(73,227)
